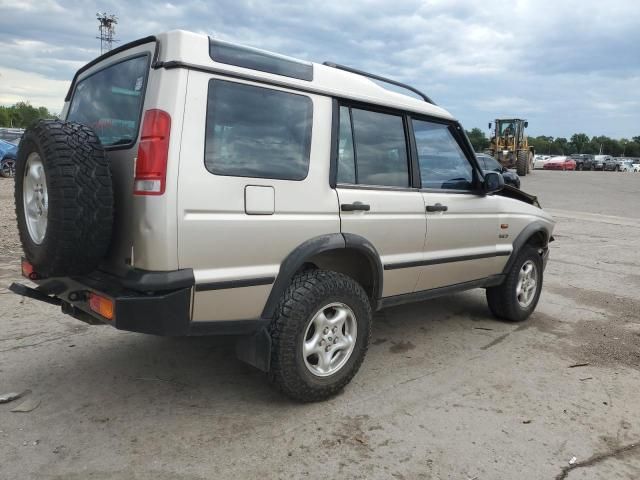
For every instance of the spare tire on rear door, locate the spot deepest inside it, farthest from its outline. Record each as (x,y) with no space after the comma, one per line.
(64,198)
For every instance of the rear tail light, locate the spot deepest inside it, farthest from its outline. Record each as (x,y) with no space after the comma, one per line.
(153,152)
(101,305)
(29,271)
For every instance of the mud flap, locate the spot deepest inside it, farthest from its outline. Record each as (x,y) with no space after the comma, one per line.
(255,349)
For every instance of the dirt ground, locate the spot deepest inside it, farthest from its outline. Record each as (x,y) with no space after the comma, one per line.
(446,391)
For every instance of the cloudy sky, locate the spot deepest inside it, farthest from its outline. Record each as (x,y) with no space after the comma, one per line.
(567,66)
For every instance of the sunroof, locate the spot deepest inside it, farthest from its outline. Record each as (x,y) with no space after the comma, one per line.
(255,59)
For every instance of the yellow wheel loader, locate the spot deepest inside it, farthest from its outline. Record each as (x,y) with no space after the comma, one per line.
(509,145)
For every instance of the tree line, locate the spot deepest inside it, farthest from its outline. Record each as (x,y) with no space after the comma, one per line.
(22,114)
(578,143)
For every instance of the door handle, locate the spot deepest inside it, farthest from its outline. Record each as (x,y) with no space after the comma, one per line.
(352,207)
(438,207)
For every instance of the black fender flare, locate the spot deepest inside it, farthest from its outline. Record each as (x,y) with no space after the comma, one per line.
(323,243)
(523,237)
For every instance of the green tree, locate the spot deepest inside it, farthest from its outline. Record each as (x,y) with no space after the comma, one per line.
(579,142)
(560,146)
(478,139)
(542,144)
(22,114)
(5,119)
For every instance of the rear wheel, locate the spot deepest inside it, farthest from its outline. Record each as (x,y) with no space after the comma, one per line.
(516,298)
(522,161)
(320,335)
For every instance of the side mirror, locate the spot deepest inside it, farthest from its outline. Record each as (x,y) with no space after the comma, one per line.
(526,124)
(493,182)
(490,125)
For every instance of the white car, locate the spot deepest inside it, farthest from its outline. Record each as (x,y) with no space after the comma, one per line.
(627,166)
(539,161)
(199,187)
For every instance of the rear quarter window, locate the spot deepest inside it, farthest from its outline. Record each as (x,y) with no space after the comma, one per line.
(110,101)
(257,132)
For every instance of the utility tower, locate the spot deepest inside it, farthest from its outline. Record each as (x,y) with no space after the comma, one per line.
(107,28)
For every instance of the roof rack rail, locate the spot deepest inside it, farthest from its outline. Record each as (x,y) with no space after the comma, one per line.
(380,79)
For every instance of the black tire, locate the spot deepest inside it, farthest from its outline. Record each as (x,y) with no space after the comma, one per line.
(522,160)
(307,294)
(80,198)
(503,300)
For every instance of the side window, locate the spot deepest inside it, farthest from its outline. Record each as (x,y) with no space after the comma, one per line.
(257,132)
(381,150)
(442,163)
(346,158)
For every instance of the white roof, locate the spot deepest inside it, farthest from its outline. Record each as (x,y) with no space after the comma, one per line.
(193,49)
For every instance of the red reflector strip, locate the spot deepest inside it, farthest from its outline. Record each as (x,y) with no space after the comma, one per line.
(27,269)
(101,305)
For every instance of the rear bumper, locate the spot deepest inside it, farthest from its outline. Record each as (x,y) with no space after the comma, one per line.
(157,303)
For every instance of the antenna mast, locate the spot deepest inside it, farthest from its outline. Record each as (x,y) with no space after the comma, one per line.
(107,29)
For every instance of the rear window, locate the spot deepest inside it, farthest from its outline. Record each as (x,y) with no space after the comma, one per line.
(110,101)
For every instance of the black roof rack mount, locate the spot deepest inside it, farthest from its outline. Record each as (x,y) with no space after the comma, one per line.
(380,79)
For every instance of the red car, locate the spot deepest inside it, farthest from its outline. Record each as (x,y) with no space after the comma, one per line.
(560,163)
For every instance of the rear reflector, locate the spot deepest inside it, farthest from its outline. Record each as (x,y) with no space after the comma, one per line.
(153,152)
(27,268)
(101,305)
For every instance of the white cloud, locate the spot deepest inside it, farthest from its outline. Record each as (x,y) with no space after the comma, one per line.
(17,86)
(569,65)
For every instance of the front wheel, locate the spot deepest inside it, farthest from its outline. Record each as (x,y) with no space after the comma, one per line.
(522,162)
(320,335)
(516,298)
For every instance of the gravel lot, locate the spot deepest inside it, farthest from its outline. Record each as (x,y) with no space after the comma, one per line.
(446,391)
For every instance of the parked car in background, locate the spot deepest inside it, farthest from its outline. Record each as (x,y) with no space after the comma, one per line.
(599,160)
(11,135)
(539,161)
(611,164)
(584,161)
(626,165)
(490,164)
(560,163)
(8,153)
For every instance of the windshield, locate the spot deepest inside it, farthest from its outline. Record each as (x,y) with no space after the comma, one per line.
(110,101)
(507,128)
(6,147)
(492,164)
